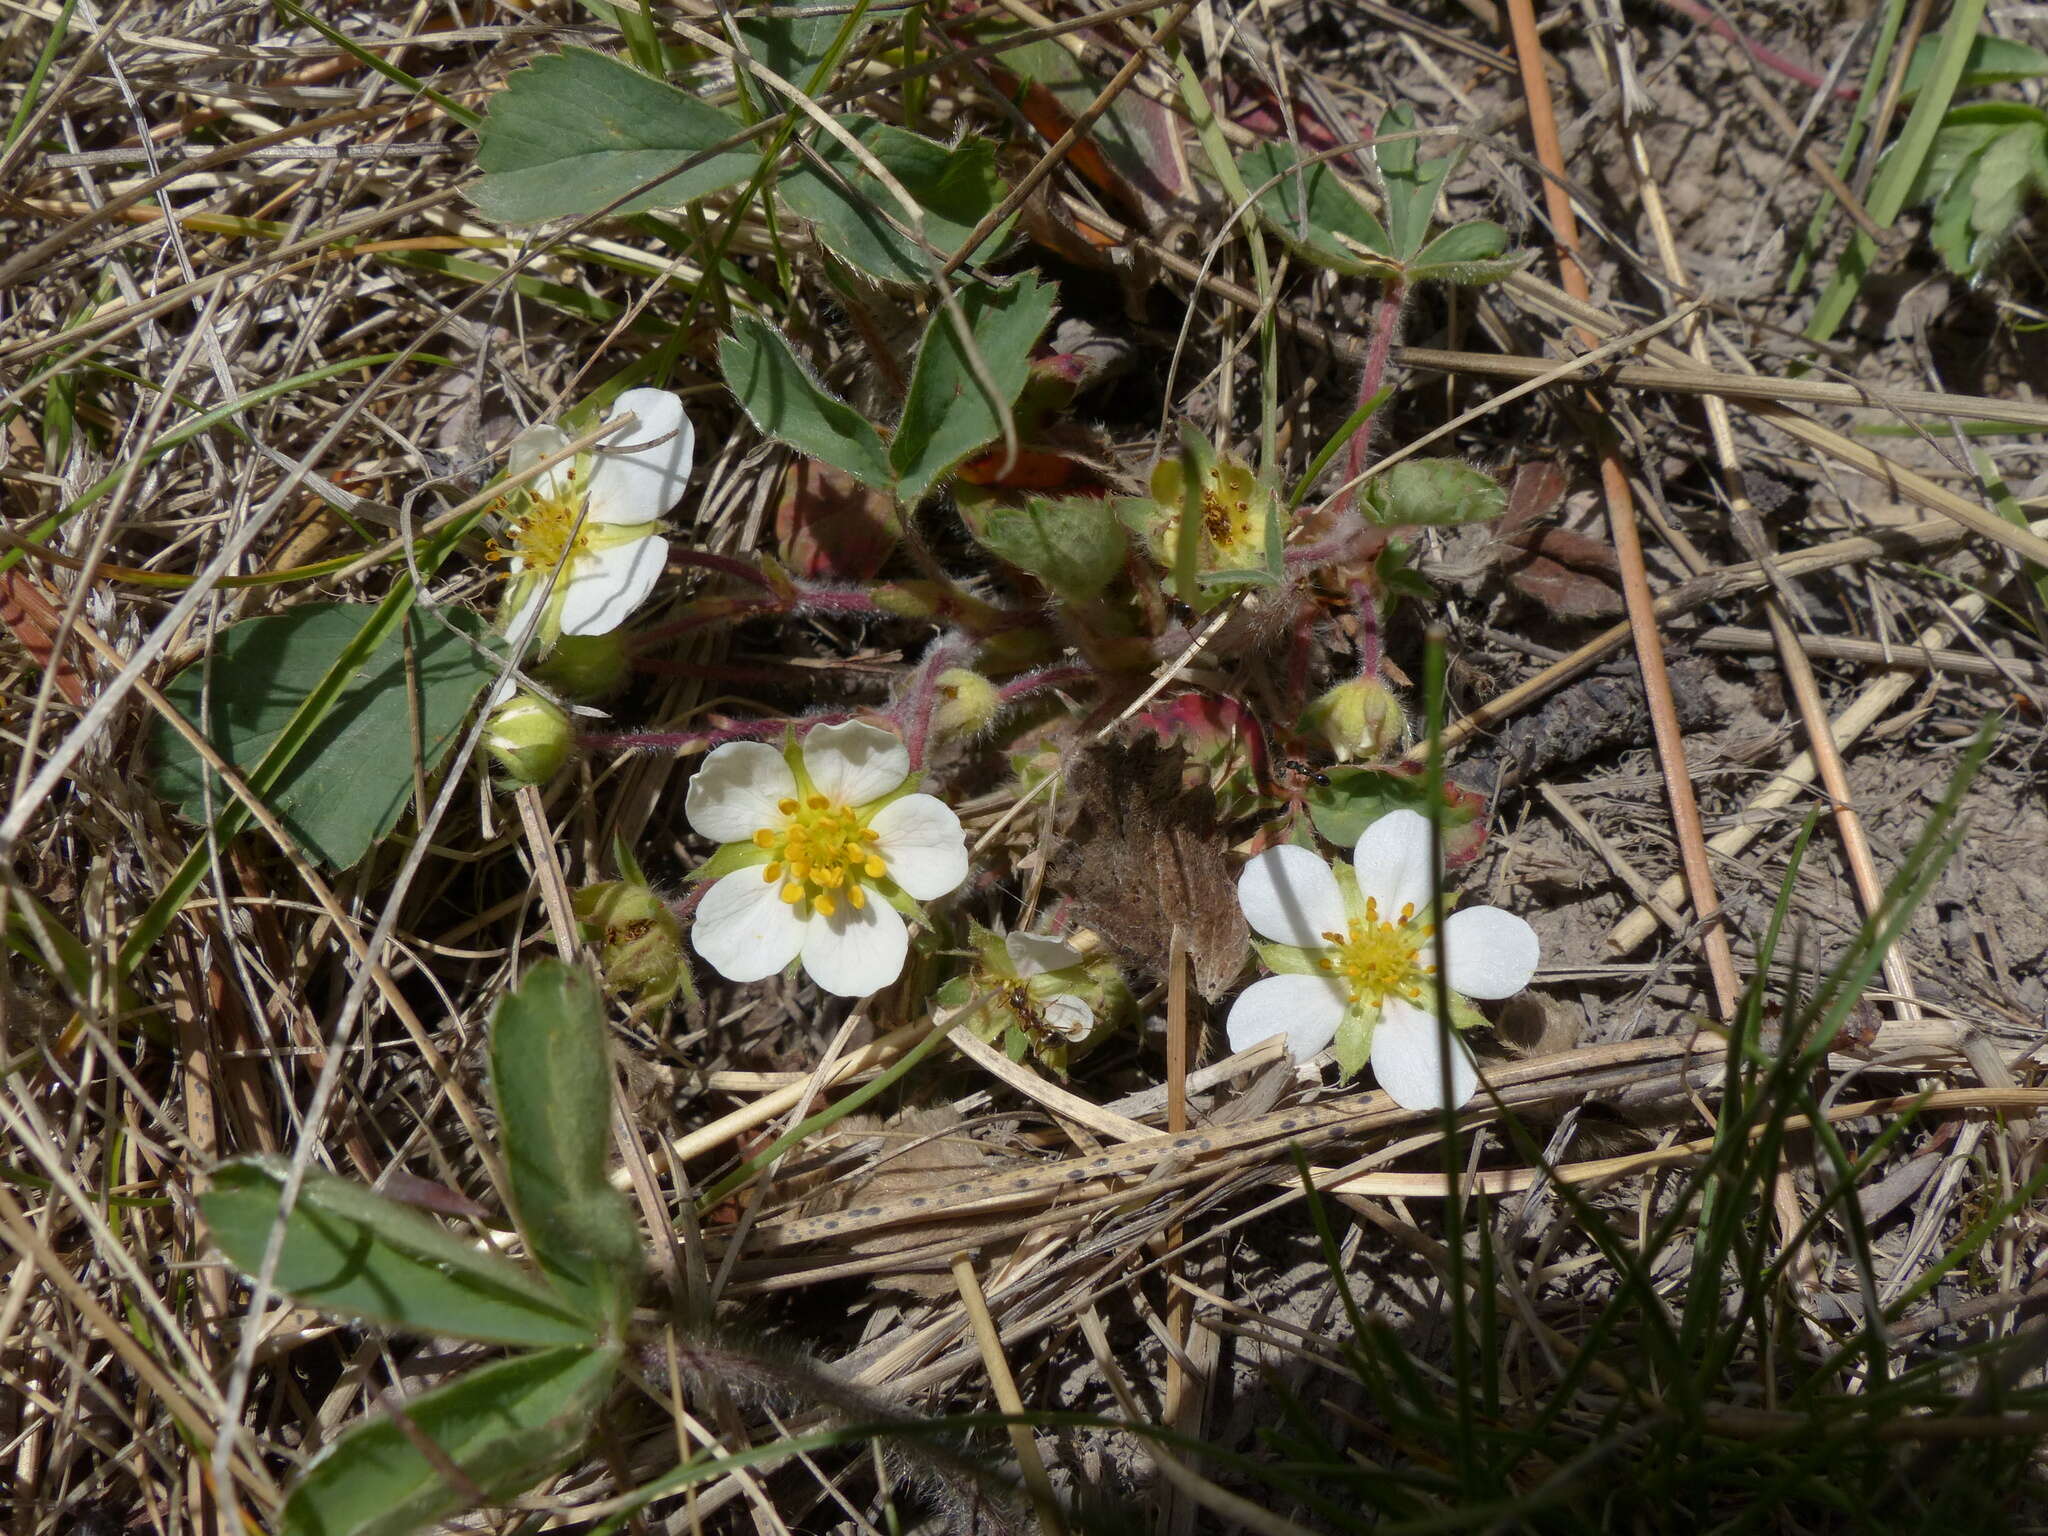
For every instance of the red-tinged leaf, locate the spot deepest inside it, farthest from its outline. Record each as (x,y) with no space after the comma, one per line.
(1044,111)
(830,527)
(1030,470)
(1251,104)
(426,1195)
(1208,724)
(1132,155)
(30,618)
(1071,239)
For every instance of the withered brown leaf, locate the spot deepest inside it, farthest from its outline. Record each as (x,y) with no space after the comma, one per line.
(1146,852)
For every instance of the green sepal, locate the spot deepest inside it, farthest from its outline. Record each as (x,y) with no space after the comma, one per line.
(1464,1015)
(1286,960)
(729,858)
(1353,1044)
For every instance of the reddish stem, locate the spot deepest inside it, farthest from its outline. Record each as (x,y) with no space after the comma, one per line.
(1386,325)
(724,565)
(1692,10)
(1367,606)
(1028,683)
(705,740)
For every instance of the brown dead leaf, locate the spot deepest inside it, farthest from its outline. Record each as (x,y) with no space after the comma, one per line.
(1571,575)
(1146,853)
(34,622)
(922,1150)
(1564,592)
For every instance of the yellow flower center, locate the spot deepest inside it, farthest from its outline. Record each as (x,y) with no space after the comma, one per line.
(820,853)
(1227,519)
(550,526)
(1376,960)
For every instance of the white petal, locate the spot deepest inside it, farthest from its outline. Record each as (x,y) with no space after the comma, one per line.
(857,950)
(524,627)
(855,762)
(643,471)
(734,792)
(1492,953)
(601,590)
(1392,860)
(920,839)
(745,929)
(529,448)
(1306,1009)
(1407,1058)
(1290,897)
(1033,954)
(1068,1017)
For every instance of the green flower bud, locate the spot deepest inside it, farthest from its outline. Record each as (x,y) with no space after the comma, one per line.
(587,668)
(639,942)
(528,740)
(1358,719)
(968,703)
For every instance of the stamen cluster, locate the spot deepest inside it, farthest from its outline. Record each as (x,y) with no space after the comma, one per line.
(820,849)
(1375,959)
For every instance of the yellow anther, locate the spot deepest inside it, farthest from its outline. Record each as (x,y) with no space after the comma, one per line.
(823,852)
(1375,960)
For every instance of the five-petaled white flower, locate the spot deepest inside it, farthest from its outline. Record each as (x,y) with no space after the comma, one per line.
(1357,959)
(1036,954)
(824,843)
(583,550)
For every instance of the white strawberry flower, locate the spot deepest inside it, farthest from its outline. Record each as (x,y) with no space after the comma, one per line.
(1357,960)
(582,543)
(1039,955)
(824,846)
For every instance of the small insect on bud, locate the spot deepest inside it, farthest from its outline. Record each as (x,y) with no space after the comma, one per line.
(528,740)
(639,942)
(1358,719)
(968,703)
(587,668)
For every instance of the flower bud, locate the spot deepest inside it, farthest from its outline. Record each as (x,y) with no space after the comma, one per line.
(639,942)
(528,740)
(587,668)
(1358,719)
(968,703)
